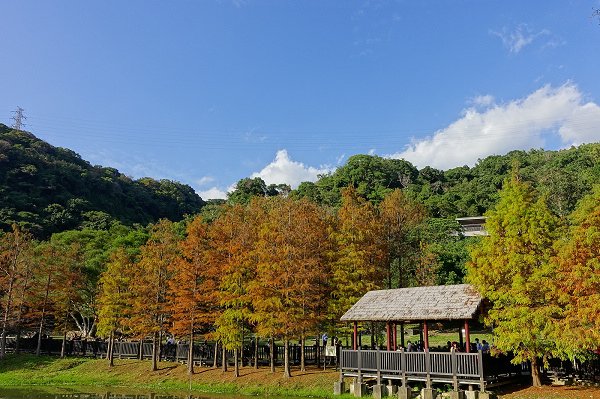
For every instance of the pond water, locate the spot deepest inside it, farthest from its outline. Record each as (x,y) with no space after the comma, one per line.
(100,393)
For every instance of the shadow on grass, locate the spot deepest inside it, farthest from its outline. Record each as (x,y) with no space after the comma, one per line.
(25,362)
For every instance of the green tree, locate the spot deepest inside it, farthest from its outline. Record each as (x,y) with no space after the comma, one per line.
(512,268)
(114,297)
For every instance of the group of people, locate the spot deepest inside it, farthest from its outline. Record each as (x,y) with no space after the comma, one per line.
(482,346)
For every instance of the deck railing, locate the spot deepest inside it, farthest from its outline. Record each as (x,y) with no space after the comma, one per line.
(448,367)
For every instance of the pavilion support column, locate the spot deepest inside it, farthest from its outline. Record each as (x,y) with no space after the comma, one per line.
(425,336)
(355,340)
(467,337)
(388,332)
(402,334)
(395,338)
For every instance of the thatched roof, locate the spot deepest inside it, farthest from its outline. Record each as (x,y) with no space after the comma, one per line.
(442,302)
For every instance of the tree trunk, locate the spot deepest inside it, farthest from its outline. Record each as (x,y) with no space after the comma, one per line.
(256,352)
(155,344)
(318,353)
(38,350)
(272,354)
(302,358)
(286,359)
(7,308)
(111,345)
(141,350)
(535,372)
(236,366)
(190,358)
(18,341)
(64,344)
(223,359)
(215,355)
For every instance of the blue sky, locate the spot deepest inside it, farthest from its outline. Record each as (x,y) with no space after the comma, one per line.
(209,92)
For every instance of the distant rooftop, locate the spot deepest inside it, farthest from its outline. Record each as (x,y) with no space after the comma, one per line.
(442,302)
(473,226)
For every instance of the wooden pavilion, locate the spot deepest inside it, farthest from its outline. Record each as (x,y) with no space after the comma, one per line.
(456,303)
(416,305)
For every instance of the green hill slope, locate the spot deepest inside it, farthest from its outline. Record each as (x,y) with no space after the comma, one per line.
(48,189)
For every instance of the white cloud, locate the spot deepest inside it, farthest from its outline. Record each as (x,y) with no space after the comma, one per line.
(583,126)
(284,170)
(204,180)
(516,39)
(212,193)
(499,128)
(482,101)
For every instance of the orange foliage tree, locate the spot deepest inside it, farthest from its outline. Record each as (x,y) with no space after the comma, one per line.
(192,286)
(358,259)
(400,219)
(149,306)
(289,285)
(233,236)
(578,281)
(15,261)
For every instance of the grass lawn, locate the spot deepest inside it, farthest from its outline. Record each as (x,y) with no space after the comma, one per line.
(31,372)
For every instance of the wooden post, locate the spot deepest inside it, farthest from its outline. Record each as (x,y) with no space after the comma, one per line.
(395,339)
(403,366)
(378,361)
(355,341)
(388,332)
(427,367)
(359,366)
(341,370)
(402,334)
(467,337)
(481,376)
(425,336)
(454,369)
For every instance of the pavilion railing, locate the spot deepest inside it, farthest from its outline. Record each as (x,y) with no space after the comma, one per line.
(448,367)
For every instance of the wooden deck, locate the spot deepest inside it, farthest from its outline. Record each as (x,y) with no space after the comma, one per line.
(429,367)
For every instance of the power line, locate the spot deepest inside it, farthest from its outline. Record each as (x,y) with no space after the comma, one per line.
(19,118)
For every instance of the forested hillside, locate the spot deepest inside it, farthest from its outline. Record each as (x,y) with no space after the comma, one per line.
(48,189)
(562,176)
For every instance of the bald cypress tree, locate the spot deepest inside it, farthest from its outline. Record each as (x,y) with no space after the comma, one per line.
(191,288)
(512,268)
(578,282)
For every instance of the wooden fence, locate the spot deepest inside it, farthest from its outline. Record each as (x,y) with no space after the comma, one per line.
(203,353)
